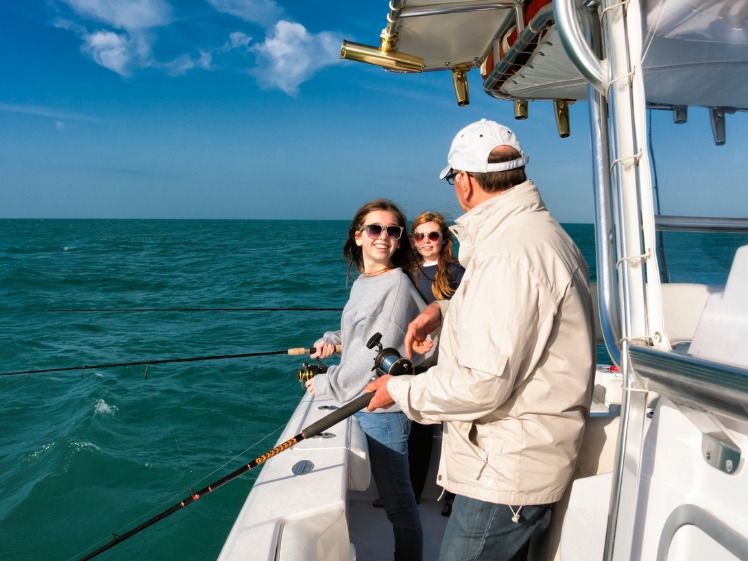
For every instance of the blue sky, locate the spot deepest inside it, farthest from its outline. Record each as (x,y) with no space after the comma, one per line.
(243,109)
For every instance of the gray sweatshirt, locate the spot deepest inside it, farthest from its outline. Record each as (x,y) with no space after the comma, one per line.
(383,304)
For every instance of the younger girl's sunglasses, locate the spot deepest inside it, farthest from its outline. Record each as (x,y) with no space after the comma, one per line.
(433,236)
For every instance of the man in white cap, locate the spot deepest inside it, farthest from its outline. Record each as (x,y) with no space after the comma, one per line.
(513,382)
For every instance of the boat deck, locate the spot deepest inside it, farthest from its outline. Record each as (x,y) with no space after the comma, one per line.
(371,532)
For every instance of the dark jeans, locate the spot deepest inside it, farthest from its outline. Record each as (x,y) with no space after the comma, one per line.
(419,455)
(481,531)
(387,437)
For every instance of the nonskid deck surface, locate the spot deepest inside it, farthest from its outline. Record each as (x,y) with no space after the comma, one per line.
(371,532)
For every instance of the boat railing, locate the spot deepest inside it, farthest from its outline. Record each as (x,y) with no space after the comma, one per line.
(710,525)
(607,52)
(701,224)
(692,380)
(590,65)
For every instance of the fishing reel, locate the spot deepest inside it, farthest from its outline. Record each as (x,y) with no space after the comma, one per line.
(388,361)
(309,371)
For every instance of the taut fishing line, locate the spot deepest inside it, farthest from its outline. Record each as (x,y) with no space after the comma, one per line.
(240,454)
(387,361)
(196,484)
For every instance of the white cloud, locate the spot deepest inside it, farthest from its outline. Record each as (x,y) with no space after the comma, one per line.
(110,50)
(204,61)
(120,35)
(291,55)
(124,14)
(59,117)
(264,12)
(180,65)
(128,49)
(238,39)
(43,111)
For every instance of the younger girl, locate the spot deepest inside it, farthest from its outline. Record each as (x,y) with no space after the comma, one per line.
(438,275)
(383,300)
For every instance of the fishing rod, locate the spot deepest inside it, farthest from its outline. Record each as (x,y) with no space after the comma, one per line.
(387,361)
(138,310)
(297,351)
(310,431)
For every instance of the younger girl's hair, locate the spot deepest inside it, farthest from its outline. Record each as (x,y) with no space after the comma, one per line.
(442,285)
(403,256)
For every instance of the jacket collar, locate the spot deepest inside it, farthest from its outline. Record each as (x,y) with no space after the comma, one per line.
(488,216)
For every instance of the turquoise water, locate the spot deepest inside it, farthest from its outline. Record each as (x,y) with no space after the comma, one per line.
(90,452)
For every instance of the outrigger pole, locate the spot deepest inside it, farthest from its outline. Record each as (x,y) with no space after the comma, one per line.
(297,351)
(312,430)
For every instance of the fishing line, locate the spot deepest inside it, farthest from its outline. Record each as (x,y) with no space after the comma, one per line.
(296,351)
(312,430)
(198,482)
(240,454)
(387,362)
(138,310)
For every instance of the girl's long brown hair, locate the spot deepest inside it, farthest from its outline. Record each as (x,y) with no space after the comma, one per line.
(403,256)
(442,285)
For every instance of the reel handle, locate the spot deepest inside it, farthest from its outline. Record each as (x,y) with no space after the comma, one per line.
(389,361)
(374,341)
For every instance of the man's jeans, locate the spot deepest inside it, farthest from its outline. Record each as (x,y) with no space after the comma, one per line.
(479,531)
(387,437)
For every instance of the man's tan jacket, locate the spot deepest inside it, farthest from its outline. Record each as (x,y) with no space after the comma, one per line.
(513,382)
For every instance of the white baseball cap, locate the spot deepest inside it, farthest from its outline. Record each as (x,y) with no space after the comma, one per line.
(472,145)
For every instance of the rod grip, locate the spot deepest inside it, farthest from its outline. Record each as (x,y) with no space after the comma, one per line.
(310,350)
(338,415)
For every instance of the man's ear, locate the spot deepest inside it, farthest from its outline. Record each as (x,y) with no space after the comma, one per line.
(467,188)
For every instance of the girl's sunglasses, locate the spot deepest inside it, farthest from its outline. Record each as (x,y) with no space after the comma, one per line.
(433,236)
(374,231)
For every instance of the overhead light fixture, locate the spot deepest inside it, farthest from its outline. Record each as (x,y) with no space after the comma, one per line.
(561,109)
(717,117)
(459,80)
(680,114)
(393,60)
(520,109)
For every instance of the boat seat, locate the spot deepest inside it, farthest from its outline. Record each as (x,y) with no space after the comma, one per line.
(596,458)
(722,330)
(579,520)
(683,305)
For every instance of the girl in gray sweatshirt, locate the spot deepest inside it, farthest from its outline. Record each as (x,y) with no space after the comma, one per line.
(383,300)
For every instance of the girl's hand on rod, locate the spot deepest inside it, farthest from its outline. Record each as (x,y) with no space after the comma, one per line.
(323,350)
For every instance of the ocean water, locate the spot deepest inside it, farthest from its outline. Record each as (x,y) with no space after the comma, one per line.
(96,451)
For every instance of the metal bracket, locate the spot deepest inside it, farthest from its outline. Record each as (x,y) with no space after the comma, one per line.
(720,452)
(717,449)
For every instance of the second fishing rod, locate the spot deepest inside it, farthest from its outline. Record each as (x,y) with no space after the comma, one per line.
(387,361)
(150,362)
